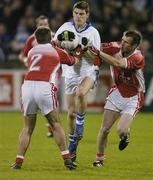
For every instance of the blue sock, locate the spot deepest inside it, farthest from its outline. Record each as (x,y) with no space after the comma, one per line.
(72,143)
(79,124)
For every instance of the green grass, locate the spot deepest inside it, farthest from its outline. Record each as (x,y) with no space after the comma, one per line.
(43,160)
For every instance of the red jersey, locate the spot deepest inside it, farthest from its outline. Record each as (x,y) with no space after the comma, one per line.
(129,80)
(44,61)
(30,43)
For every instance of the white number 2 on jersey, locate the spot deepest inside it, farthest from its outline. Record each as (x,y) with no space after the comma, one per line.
(35,59)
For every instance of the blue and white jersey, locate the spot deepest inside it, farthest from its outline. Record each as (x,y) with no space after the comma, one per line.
(85,64)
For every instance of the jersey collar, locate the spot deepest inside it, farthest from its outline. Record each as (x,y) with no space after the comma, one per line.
(88,24)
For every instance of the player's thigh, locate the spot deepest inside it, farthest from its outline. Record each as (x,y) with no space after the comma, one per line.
(85,85)
(109,118)
(125,121)
(53,116)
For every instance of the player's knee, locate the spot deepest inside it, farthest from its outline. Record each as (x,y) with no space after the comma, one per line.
(71,115)
(28,130)
(79,94)
(105,131)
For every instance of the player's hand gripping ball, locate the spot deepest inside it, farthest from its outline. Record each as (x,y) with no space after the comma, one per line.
(69,40)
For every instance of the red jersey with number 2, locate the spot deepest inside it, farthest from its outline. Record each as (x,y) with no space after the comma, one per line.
(44,61)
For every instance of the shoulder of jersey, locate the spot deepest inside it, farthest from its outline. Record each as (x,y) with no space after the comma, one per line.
(93,28)
(68,23)
(138,53)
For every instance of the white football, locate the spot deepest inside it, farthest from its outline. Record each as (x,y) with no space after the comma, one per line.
(70,44)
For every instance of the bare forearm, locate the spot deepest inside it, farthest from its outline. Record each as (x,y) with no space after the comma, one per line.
(112,60)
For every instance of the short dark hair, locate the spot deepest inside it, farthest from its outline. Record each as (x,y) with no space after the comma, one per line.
(41,17)
(82,5)
(135,35)
(43,35)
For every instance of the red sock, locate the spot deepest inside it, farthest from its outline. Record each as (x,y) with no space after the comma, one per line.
(100,157)
(19,159)
(66,154)
(50,129)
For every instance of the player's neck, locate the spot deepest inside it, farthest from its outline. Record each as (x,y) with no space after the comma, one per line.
(126,54)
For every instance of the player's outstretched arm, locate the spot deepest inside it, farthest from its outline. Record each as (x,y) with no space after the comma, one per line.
(112,60)
(108,58)
(66,58)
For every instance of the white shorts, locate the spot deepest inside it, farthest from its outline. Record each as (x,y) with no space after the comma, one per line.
(72,83)
(116,102)
(38,95)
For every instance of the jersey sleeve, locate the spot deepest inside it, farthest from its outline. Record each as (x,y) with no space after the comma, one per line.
(136,61)
(110,48)
(96,43)
(96,40)
(65,58)
(28,45)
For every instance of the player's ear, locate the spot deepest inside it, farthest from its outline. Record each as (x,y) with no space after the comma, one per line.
(135,46)
(88,15)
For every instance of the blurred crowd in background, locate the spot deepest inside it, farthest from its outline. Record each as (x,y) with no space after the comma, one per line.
(111,18)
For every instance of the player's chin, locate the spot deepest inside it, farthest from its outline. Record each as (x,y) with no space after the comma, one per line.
(79,22)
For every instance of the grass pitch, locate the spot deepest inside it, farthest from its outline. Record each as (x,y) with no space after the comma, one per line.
(43,160)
